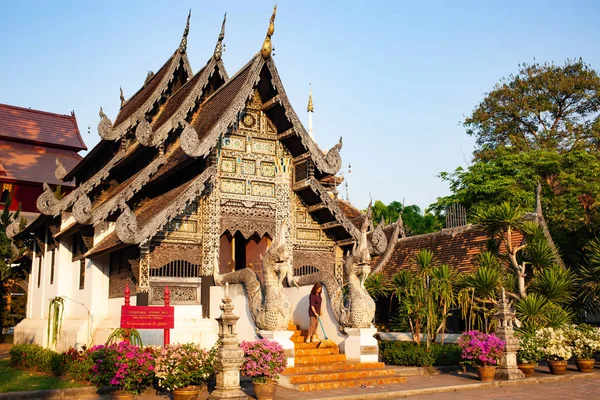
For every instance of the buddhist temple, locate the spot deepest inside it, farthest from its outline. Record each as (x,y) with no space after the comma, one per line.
(196,176)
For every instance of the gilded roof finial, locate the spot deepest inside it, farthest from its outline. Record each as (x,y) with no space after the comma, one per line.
(267,47)
(310,107)
(219,47)
(183,44)
(121,96)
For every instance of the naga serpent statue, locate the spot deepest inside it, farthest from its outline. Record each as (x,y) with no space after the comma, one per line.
(270,306)
(357,310)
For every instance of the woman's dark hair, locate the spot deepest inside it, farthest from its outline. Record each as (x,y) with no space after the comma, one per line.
(315,288)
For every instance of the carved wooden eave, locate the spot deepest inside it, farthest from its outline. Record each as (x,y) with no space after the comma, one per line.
(191,144)
(377,240)
(390,246)
(84,213)
(327,164)
(196,147)
(13,228)
(156,133)
(60,171)
(129,231)
(48,204)
(108,131)
(339,216)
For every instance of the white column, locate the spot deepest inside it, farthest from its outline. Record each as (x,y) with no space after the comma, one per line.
(361,345)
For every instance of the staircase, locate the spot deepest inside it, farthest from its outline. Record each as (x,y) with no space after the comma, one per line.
(323,369)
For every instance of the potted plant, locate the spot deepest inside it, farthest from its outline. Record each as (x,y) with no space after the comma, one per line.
(528,354)
(586,342)
(555,347)
(264,361)
(184,369)
(127,368)
(483,351)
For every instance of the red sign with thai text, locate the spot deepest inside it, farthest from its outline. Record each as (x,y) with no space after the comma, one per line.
(144,317)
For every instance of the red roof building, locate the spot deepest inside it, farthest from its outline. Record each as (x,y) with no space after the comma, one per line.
(35,147)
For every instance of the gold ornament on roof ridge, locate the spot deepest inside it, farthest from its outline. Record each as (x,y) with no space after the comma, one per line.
(267,47)
(183,44)
(219,46)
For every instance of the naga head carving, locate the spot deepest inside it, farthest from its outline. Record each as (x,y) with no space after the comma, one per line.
(278,252)
(358,262)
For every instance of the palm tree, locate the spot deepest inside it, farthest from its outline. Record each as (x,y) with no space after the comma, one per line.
(504,220)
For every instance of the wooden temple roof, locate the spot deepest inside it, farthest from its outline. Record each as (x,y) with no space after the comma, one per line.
(457,247)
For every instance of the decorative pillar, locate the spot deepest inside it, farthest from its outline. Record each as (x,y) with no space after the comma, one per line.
(144,270)
(284,206)
(230,356)
(507,365)
(211,224)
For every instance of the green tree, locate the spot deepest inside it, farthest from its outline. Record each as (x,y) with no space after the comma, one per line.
(542,107)
(415,221)
(425,298)
(7,254)
(540,125)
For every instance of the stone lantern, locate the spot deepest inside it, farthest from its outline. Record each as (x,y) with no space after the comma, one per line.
(507,365)
(230,356)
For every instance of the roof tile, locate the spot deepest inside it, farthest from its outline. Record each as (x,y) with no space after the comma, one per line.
(40,127)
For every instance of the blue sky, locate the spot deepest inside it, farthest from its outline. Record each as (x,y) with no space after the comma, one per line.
(395,79)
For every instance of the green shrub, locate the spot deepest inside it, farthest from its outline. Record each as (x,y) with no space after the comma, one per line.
(79,364)
(38,358)
(395,352)
(446,354)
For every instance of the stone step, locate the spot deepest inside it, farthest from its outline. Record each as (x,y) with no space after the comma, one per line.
(343,383)
(338,366)
(300,339)
(302,345)
(315,352)
(314,359)
(343,375)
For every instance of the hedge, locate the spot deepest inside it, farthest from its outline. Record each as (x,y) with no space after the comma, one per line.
(395,352)
(38,358)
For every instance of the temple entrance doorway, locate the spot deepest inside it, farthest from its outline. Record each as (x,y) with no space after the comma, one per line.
(238,252)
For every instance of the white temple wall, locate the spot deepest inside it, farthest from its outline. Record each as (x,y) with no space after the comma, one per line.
(299,298)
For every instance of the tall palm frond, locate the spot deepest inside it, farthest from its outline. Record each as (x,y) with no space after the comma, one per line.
(485,281)
(555,283)
(499,217)
(488,259)
(557,316)
(377,286)
(531,311)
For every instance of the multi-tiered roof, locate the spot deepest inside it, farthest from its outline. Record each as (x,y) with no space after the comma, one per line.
(156,156)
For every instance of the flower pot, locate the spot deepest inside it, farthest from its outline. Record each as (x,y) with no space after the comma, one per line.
(585,365)
(486,372)
(527,369)
(121,395)
(265,391)
(186,393)
(557,367)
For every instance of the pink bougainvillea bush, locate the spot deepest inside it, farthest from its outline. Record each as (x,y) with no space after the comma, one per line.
(480,348)
(265,360)
(122,366)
